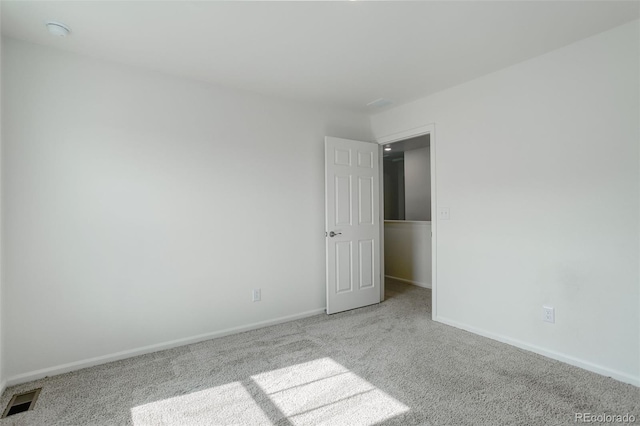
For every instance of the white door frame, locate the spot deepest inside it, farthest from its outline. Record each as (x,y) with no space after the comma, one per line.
(396,137)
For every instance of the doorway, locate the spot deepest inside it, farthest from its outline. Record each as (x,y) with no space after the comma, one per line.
(408,209)
(354,217)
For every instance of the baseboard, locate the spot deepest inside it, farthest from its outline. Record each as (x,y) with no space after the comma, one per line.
(567,359)
(91,362)
(423,285)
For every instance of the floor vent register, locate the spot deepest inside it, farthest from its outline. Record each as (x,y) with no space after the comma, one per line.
(21,402)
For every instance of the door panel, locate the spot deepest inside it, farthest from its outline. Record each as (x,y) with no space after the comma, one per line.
(366,263)
(352,224)
(343,200)
(344,266)
(365,201)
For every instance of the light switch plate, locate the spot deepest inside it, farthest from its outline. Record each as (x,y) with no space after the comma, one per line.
(256,295)
(444,213)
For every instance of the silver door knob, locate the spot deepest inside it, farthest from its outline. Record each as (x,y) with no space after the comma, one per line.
(333,234)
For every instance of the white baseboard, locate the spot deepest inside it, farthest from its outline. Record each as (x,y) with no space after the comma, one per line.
(91,362)
(409,281)
(605,371)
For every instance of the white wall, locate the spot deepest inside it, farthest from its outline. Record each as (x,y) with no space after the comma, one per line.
(407,251)
(142,208)
(2,374)
(539,166)
(417,184)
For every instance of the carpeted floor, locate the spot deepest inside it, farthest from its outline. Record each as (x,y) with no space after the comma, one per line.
(385,364)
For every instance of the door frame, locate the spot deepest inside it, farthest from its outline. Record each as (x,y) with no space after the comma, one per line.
(430,130)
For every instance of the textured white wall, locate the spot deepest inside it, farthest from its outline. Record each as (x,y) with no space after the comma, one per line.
(2,373)
(141,208)
(407,251)
(539,166)
(417,184)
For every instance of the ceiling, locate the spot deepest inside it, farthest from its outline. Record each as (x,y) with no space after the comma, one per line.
(344,54)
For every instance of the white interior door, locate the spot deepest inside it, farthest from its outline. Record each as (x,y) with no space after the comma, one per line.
(352,215)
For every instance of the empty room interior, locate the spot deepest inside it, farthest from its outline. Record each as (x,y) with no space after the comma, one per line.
(301,213)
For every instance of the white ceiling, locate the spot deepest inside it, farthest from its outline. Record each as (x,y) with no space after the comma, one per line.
(336,53)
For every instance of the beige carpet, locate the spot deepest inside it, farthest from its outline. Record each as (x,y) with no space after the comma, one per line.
(385,364)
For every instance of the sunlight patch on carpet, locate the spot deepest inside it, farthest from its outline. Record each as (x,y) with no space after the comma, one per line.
(325,392)
(311,393)
(221,405)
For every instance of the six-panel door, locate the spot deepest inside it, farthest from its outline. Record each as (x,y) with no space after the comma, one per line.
(353,218)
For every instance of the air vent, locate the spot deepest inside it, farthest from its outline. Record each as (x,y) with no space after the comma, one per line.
(379,103)
(21,402)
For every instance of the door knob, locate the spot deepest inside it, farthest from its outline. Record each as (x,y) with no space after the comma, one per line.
(333,234)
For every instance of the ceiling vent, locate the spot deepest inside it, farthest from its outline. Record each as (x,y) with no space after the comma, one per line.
(379,103)
(58,29)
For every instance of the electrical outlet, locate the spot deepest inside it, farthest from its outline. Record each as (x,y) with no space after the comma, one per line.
(548,314)
(256,295)
(444,213)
